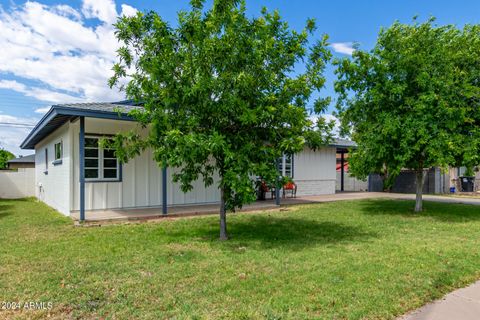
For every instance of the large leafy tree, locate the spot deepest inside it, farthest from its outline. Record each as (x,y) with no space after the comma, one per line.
(5,156)
(221,94)
(412,101)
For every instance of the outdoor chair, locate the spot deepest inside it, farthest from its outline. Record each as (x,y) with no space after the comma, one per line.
(290,187)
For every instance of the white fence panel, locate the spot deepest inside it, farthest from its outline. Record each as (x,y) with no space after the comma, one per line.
(17,184)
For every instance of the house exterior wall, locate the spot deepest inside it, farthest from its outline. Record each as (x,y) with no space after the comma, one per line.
(52,186)
(314,171)
(141,178)
(141,184)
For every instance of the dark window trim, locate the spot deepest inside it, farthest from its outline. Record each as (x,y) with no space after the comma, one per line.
(119,164)
(46,161)
(55,150)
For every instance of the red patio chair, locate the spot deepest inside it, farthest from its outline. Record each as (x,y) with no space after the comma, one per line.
(290,187)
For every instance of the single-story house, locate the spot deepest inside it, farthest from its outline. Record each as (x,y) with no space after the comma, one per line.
(75,175)
(21,162)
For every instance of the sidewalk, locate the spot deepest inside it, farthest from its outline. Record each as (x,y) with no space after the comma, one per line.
(436,198)
(462,304)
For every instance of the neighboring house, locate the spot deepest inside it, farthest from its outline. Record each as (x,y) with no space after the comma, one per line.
(22,162)
(74,174)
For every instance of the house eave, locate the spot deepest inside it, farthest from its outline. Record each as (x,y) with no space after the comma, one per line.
(46,125)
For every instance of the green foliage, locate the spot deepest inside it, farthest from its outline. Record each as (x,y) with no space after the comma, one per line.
(469,172)
(220,93)
(5,156)
(412,101)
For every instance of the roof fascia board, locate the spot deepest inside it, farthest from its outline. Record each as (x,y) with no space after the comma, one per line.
(60,110)
(52,113)
(92,113)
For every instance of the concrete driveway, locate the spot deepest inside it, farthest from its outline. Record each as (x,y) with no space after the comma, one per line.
(387,195)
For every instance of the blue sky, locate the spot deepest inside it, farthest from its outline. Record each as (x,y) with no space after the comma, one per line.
(62,51)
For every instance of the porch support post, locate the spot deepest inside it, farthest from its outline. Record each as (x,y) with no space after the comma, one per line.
(342,170)
(164,190)
(277,187)
(81,144)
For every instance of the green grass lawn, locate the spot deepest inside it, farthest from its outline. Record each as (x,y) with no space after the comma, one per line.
(345,260)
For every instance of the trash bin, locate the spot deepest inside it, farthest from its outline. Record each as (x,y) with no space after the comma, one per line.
(467,184)
(452,189)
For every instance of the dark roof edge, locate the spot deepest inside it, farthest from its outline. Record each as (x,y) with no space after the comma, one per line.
(25,159)
(342,145)
(79,112)
(49,115)
(74,112)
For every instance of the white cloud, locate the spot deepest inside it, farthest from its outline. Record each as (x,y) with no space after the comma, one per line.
(38,93)
(11,136)
(128,10)
(343,47)
(42,110)
(55,56)
(12,85)
(67,11)
(103,10)
(52,45)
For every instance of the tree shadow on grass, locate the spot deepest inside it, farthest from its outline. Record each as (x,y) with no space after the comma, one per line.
(441,211)
(290,233)
(5,210)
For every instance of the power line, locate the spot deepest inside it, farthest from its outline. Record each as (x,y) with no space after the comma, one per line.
(16,124)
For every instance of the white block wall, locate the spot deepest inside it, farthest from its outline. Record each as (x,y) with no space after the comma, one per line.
(351,183)
(17,184)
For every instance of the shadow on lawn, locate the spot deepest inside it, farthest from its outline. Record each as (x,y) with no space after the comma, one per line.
(447,212)
(291,233)
(5,210)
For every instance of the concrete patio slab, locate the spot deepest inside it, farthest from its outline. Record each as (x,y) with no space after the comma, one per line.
(202,209)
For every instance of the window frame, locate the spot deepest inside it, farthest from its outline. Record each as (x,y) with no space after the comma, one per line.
(283,161)
(58,160)
(100,162)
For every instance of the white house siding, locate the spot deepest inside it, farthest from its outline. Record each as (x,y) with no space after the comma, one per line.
(53,187)
(141,184)
(314,171)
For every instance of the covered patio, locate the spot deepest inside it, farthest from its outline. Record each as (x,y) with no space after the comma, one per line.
(206,209)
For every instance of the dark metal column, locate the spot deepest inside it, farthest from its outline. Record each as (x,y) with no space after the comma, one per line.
(277,185)
(81,144)
(164,190)
(342,171)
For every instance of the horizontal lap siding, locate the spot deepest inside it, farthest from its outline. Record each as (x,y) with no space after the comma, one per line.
(141,185)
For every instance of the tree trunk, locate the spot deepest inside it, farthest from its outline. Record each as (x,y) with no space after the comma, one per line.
(418,198)
(223,216)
